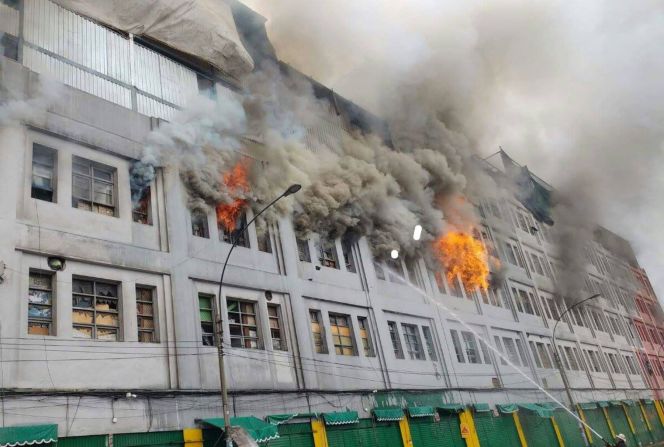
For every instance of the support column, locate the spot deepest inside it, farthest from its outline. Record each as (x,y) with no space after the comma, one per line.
(193,437)
(319,433)
(466,418)
(404,427)
(629,420)
(645,416)
(556,429)
(660,411)
(519,430)
(609,423)
(589,434)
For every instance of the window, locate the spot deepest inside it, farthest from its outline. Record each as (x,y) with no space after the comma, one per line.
(457,346)
(428,339)
(396,341)
(263,236)
(365,337)
(525,301)
(9,46)
(414,273)
(303,250)
(320,346)
(43,173)
(631,366)
(512,354)
(455,287)
(276,331)
(544,355)
(499,347)
(199,224)
(491,297)
(533,350)
(380,273)
(349,259)
(341,334)
(571,357)
(238,234)
(413,344)
(613,363)
(95,310)
(485,351)
(145,314)
(513,254)
(327,253)
(207,319)
(597,320)
(395,270)
(40,303)
(242,324)
(93,186)
(140,205)
(470,346)
(522,352)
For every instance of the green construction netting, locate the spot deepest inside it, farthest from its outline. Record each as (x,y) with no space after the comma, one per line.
(341,418)
(549,405)
(481,408)
(588,405)
(28,435)
(615,403)
(259,430)
(388,414)
(507,408)
(603,404)
(629,402)
(647,401)
(420,412)
(452,408)
(539,410)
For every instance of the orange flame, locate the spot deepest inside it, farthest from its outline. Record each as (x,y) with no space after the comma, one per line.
(236,183)
(463,255)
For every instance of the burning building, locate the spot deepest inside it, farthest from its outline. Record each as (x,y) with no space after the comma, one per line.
(124,147)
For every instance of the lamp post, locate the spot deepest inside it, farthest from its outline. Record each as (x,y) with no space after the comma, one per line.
(219,332)
(556,353)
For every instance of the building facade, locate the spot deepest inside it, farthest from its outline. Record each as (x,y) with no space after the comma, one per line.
(121,339)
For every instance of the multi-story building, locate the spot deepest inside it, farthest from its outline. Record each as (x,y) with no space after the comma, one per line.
(121,338)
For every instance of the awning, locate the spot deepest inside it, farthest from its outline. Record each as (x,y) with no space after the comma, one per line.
(588,405)
(615,403)
(28,435)
(388,414)
(341,418)
(549,405)
(507,408)
(603,404)
(420,412)
(629,402)
(259,430)
(452,408)
(541,411)
(647,401)
(481,408)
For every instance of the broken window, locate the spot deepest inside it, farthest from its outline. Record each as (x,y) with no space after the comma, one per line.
(396,341)
(239,234)
(341,334)
(199,224)
(320,346)
(95,310)
(327,253)
(145,314)
(40,303)
(140,205)
(276,331)
(303,250)
(395,270)
(349,259)
(243,324)
(43,173)
(414,273)
(207,319)
(263,236)
(380,272)
(93,186)
(428,339)
(365,337)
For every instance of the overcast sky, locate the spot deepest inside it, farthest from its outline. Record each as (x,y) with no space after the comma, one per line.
(574,90)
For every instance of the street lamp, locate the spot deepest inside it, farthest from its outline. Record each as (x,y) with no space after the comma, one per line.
(556,354)
(219,336)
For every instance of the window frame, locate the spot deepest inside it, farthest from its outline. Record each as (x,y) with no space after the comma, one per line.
(341,348)
(365,336)
(94,326)
(199,217)
(205,334)
(152,317)
(91,177)
(50,321)
(413,341)
(397,346)
(316,318)
(429,342)
(281,339)
(242,325)
(53,180)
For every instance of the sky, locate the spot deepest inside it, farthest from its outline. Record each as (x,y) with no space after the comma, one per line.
(574,90)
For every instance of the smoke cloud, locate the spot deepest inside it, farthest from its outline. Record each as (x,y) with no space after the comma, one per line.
(573,91)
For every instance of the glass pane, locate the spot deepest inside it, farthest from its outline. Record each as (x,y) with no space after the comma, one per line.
(82,332)
(144,294)
(144,309)
(39,296)
(272,311)
(82,316)
(81,187)
(206,315)
(106,304)
(248,319)
(236,342)
(236,330)
(145,323)
(81,166)
(204,302)
(41,171)
(42,156)
(39,312)
(145,337)
(233,317)
(40,281)
(233,306)
(274,323)
(348,351)
(82,287)
(106,289)
(107,334)
(39,328)
(105,319)
(248,308)
(103,173)
(251,344)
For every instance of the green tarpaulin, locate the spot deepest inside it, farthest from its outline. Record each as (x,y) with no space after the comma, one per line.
(629,402)
(647,401)
(549,405)
(28,435)
(603,404)
(276,419)
(420,412)
(588,405)
(507,408)
(452,408)
(481,408)
(341,418)
(541,411)
(388,414)
(615,403)
(259,430)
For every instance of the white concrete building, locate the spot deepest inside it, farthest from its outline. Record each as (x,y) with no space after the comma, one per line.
(307,329)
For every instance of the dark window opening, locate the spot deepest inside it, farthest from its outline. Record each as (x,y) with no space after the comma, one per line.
(239,234)
(93,187)
(303,250)
(9,45)
(140,205)
(349,259)
(207,319)
(327,253)
(43,173)
(263,236)
(199,224)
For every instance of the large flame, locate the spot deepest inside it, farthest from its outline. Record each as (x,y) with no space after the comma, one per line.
(237,184)
(463,255)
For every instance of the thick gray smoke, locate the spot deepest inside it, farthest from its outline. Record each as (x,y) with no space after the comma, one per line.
(573,91)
